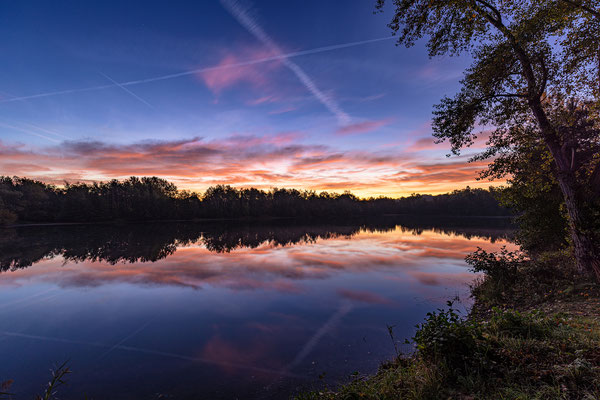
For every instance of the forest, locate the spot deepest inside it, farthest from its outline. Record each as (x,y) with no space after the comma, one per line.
(24,200)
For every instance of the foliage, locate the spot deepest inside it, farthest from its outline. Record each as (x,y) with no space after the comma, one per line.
(152,198)
(512,278)
(58,379)
(515,355)
(534,88)
(501,267)
(448,340)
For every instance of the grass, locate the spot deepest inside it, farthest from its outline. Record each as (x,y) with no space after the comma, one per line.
(529,336)
(57,379)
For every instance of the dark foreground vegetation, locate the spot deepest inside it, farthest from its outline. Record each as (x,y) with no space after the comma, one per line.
(151,198)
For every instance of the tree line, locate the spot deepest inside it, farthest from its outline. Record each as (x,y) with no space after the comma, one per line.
(24,200)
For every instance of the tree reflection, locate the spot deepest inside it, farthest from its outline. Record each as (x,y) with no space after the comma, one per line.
(22,247)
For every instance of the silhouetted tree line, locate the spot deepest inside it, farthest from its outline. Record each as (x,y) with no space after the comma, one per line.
(21,247)
(152,198)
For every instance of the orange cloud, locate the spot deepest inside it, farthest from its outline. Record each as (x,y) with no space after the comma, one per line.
(243,160)
(426,143)
(272,267)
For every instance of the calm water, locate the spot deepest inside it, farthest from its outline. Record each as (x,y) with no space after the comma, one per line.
(194,310)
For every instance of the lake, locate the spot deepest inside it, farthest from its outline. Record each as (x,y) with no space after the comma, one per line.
(223,309)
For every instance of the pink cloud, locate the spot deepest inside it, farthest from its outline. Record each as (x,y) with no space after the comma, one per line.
(426,143)
(227,74)
(282,110)
(362,127)
(262,100)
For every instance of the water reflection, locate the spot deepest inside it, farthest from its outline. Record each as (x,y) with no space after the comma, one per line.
(23,246)
(222,310)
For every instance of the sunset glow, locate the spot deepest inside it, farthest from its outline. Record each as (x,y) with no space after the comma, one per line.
(241,98)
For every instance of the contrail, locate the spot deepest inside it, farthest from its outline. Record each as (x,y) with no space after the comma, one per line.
(335,319)
(152,352)
(20,124)
(240,13)
(126,338)
(127,90)
(200,70)
(51,132)
(24,299)
(16,128)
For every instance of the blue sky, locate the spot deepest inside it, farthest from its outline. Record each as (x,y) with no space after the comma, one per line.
(352,118)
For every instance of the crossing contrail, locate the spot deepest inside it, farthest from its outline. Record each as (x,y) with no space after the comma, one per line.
(127,90)
(126,338)
(241,14)
(200,70)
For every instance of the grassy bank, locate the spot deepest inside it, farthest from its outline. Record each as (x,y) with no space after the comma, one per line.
(533,333)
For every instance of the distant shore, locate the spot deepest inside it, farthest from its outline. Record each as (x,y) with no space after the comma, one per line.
(246,219)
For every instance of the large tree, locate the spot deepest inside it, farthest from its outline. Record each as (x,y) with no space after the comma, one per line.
(535,72)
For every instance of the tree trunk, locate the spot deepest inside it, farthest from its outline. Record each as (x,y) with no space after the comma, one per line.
(587,252)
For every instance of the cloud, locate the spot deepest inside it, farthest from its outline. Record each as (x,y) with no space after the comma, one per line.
(229,73)
(426,143)
(243,15)
(242,160)
(198,70)
(276,268)
(362,127)
(363,296)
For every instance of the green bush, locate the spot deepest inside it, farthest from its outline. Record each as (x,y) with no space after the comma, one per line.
(448,339)
(501,266)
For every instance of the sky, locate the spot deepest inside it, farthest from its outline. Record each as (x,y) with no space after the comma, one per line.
(305,94)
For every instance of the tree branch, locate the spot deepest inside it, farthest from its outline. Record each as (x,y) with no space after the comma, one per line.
(492,8)
(505,95)
(583,7)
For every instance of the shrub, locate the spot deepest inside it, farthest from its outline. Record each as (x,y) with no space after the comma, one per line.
(502,266)
(446,338)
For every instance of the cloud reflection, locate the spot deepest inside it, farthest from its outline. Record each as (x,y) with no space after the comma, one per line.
(266,258)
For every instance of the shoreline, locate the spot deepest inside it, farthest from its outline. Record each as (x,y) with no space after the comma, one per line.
(249,219)
(543,345)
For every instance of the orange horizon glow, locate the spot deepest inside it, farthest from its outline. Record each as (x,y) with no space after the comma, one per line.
(268,162)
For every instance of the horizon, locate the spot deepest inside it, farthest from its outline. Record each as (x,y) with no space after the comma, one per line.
(200,194)
(233,93)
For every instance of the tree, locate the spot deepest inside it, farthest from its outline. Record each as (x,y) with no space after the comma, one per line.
(530,60)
